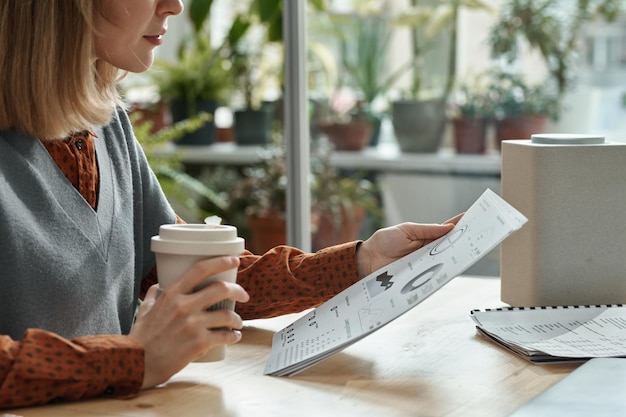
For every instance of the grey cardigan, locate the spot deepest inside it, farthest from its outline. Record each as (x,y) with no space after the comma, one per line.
(63,266)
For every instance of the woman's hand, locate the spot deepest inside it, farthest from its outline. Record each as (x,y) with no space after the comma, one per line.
(391,243)
(175,328)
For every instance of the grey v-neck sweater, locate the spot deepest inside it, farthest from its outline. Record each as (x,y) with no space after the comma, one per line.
(63,266)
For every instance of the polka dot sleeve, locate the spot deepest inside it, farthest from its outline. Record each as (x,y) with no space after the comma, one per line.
(286,280)
(44,367)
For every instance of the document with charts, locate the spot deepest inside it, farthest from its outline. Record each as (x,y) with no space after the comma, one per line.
(394,289)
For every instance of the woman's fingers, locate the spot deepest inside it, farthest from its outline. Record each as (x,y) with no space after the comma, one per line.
(218,291)
(200,271)
(220,320)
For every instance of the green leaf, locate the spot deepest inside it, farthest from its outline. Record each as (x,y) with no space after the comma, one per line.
(270,14)
(275,30)
(199,11)
(238,30)
(268,9)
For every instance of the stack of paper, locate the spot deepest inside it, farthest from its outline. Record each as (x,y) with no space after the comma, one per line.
(556,334)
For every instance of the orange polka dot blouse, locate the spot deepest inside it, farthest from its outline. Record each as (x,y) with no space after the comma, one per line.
(44,367)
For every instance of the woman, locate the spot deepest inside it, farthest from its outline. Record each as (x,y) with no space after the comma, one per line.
(79,204)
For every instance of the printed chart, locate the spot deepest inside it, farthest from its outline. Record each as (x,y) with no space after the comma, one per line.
(391,291)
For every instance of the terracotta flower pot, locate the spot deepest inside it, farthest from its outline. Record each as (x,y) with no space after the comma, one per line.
(266,232)
(332,231)
(351,136)
(519,127)
(470,135)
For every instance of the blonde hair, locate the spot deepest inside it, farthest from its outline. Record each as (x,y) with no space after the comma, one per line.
(53,84)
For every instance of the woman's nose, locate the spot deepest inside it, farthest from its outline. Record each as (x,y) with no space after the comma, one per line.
(171,7)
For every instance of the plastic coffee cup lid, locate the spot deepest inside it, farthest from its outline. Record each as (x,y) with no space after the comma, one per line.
(567,139)
(198,239)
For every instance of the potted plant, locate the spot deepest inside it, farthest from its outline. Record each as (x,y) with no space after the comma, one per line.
(520,109)
(253,118)
(364,40)
(344,122)
(254,35)
(199,80)
(470,114)
(419,115)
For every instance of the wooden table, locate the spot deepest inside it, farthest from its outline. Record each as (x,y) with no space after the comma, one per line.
(429,362)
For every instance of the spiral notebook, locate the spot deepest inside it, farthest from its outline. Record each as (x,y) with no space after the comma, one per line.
(557,333)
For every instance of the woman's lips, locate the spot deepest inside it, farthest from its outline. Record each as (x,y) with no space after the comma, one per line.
(154,39)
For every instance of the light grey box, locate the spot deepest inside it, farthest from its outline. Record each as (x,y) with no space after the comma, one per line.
(573,248)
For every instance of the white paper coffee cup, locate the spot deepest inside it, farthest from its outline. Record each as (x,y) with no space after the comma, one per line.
(179,246)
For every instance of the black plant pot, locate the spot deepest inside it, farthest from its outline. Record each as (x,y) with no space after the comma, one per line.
(203,136)
(253,127)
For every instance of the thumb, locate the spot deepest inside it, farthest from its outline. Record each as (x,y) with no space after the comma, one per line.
(149,300)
